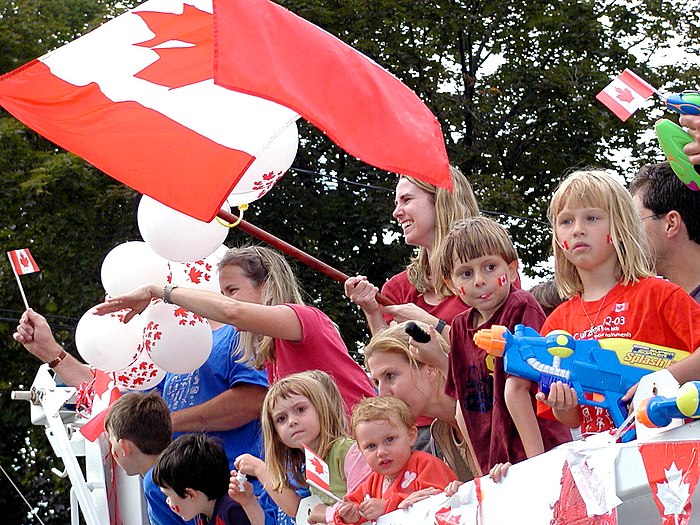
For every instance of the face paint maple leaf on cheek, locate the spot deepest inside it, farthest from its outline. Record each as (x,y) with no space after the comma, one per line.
(184,44)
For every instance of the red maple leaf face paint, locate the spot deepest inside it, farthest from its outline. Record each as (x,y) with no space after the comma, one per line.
(608,239)
(565,245)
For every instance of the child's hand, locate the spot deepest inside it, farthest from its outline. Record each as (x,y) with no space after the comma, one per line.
(250,465)
(499,471)
(317,514)
(372,508)
(418,495)
(452,488)
(348,512)
(238,490)
(561,396)
(564,402)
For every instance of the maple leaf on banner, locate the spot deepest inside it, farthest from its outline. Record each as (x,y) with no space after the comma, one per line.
(184,44)
(675,493)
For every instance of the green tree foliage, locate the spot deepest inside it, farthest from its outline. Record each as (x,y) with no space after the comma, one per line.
(513,85)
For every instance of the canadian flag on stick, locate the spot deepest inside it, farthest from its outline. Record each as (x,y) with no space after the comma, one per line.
(625,94)
(317,473)
(22,261)
(672,470)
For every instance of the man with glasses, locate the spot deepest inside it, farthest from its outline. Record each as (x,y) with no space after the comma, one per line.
(670,212)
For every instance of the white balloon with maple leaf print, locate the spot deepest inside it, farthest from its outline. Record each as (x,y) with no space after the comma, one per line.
(142,374)
(106,342)
(176,236)
(202,273)
(267,168)
(130,265)
(177,340)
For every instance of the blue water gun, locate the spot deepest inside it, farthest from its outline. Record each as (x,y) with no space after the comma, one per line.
(658,411)
(672,137)
(601,371)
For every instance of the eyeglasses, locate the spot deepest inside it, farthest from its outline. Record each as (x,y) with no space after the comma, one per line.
(655,216)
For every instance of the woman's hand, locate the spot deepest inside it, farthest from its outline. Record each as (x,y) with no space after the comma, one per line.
(452,488)
(363,293)
(135,301)
(499,471)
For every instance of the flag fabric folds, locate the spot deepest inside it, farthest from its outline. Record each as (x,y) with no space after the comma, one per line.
(22,262)
(263,49)
(137,99)
(625,94)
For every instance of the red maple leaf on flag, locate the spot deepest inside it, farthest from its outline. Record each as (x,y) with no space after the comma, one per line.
(179,66)
(625,95)
(23,259)
(318,467)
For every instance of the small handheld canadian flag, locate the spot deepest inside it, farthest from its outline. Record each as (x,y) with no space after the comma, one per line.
(317,473)
(22,263)
(626,94)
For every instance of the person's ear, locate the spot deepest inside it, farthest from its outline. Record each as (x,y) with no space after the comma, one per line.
(674,224)
(513,271)
(451,286)
(413,434)
(127,446)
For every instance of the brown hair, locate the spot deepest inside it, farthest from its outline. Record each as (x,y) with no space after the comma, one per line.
(382,408)
(143,419)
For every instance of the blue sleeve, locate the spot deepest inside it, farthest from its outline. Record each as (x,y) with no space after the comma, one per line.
(242,372)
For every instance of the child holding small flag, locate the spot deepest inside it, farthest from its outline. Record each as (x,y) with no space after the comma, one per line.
(386,432)
(304,426)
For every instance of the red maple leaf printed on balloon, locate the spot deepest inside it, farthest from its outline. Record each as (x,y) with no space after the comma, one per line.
(625,95)
(191,59)
(151,334)
(268,180)
(195,275)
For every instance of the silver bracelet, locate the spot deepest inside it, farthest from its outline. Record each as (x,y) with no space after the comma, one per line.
(167,292)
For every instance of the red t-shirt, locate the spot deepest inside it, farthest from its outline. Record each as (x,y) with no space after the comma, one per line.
(652,310)
(400,290)
(320,348)
(422,471)
(478,380)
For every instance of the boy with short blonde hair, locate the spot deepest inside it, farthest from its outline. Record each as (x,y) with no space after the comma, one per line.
(385,431)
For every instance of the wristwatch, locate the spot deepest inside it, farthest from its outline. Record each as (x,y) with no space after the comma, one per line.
(167,291)
(61,357)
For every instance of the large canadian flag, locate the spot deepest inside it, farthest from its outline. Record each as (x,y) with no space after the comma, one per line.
(136,98)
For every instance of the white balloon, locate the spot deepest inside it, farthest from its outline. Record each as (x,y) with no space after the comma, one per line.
(176,236)
(131,265)
(142,374)
(202,273)
(176,339)
(267,168)
(106,342)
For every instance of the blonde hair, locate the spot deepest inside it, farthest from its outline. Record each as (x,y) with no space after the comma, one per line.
(452,206)
(394,340)
(382,408)
(279,458)
(596,189)
(470,239)
(274,276)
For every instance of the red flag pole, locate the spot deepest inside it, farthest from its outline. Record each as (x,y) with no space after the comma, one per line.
(292,251)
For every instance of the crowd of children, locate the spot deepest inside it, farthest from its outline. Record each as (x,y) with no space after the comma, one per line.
(466,278)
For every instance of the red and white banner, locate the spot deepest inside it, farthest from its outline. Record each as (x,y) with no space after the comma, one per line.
(672,470)
(625,94)
(263,49)
(136,98)
(317,473)
(22,262)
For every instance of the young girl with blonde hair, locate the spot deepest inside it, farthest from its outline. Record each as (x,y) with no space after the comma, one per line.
(305,409)
(603,264)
